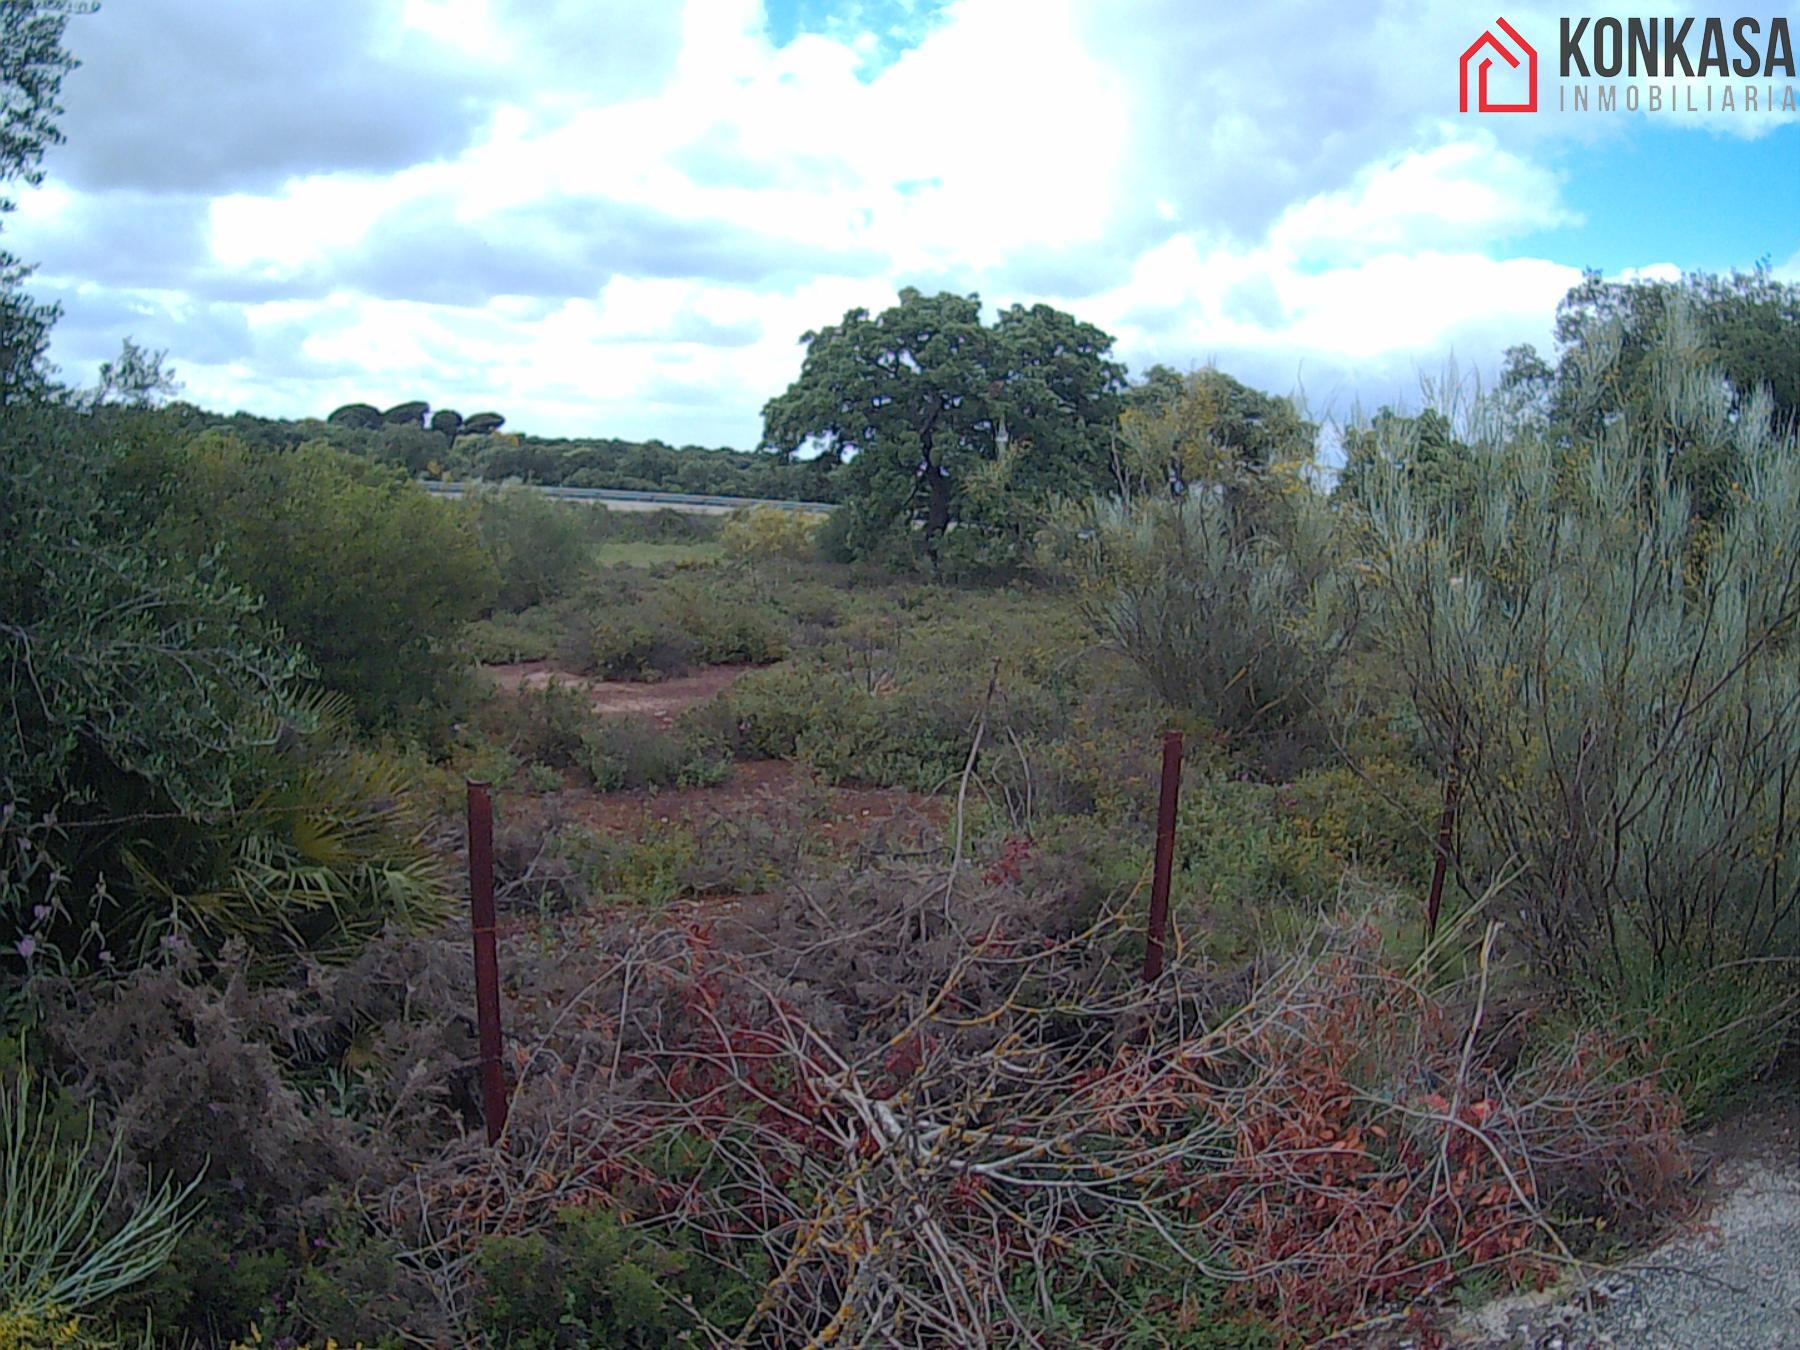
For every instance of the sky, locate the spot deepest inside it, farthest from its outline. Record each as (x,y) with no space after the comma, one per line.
(619,218)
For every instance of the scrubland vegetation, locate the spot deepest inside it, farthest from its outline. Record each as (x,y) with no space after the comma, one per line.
(822,986)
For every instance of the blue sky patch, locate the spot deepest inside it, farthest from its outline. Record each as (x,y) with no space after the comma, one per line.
(1700,199)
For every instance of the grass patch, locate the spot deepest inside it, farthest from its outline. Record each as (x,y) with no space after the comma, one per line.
(652,553)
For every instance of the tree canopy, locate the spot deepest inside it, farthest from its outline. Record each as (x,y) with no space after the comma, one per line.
(1612,344)
(136,378)
(362,416)
(411,413)
(1747,324)
(33,62)
(1423,446)
(940,419)
(1179,432)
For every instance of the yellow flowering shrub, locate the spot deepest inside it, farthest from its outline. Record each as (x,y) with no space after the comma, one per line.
(42,1328)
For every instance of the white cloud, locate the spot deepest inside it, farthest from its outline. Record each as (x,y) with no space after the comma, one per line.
(1359,329)
(654,202)
(1464,191)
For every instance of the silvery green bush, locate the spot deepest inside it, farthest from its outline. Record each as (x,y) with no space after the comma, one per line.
(1613,671)
(1232,605)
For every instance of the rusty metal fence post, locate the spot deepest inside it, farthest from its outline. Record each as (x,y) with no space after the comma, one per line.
(1446,834)
(487,967)
(1165,855)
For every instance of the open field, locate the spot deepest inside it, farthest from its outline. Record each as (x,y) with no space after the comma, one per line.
(649,553)
(623,500)
(618,733)
(1110,887)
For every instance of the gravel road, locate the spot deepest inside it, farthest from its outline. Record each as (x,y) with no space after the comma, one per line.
(1729,1281)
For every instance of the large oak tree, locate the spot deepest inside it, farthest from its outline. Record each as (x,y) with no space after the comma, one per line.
(940,419)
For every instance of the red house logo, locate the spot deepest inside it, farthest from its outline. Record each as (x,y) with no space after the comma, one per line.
(1481,55)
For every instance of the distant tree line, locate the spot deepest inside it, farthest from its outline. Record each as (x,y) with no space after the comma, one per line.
(951,439)
(445,444)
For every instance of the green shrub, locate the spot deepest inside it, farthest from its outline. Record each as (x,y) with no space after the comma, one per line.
(543,778)
(835,540)
(760,534)
(364,570)
(545,724)
(539,546)
(533,635)
(634,642)
(668,860)
(667,526)
(623,753)
(763,715)
(1232,609)
(1104,759)
(1119,1285)
(443,783)
(1243,846)
(651,869)
(632,628)
(553,727)
(218,1276)
(356,1288)
(1615,675)
(1706,1034)
(1382,815)
(592,1281)
(136,689)
(850,733)
(738,854)
(812,602)
(894,699)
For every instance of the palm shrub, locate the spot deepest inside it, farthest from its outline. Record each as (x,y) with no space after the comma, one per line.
(60,1257)
(329,849)
(1615,675)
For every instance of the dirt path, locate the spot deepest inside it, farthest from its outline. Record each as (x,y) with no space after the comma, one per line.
(1730,1280)
(661,701)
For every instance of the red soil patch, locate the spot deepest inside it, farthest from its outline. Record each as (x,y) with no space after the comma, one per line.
(773,789)
(661,702)
(761,788)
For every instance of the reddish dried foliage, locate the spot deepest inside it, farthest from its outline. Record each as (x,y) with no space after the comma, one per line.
(1335,1147)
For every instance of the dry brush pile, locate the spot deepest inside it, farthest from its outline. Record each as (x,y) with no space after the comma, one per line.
(905,1109)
